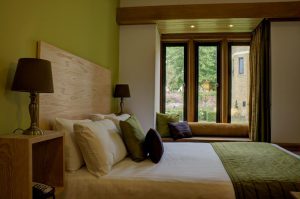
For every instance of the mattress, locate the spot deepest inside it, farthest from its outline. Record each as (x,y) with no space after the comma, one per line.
(186,170)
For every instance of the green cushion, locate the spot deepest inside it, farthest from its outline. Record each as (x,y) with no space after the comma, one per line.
(134,138)
(162,121)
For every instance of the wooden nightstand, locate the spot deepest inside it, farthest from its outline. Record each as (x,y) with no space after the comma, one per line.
(296,195)
(26,158)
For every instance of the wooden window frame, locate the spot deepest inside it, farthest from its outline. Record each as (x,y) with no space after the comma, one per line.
(190,39)
(219,59)
(164,45)
(230,44)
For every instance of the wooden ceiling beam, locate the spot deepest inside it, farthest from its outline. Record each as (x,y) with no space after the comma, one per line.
(152,14)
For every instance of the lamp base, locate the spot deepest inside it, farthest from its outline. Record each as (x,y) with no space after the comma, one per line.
(33,111)
(121,107)
(33,131)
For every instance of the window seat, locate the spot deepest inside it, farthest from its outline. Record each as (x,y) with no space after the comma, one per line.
(215,132)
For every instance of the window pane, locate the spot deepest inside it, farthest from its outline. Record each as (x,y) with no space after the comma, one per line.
(241,65)
(175,80)
(207,83)
(240,84)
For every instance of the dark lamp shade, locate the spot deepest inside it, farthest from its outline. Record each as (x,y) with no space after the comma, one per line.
(122,90)
(33,75)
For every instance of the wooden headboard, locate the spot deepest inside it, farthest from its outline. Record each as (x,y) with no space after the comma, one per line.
(80,87)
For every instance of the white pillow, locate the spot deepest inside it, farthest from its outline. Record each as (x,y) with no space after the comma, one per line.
(123,117)
(100,144)
(73,156)
(99,116)
(113,117)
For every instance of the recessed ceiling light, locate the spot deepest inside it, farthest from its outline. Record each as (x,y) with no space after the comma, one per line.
(192,26)
(230,26)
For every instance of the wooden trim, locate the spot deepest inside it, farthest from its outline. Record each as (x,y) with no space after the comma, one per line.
(224,79)
(229,64)
(206,36)
(151,14)
(163,75)
(191,79)
(229,93)
(185,77)
(283,19)
(163,78)
(191,40)
(290,146)
(219,81)
(196,74)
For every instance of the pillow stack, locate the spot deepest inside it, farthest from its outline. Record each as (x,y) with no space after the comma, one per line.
(100,144)
(73,157)
(139,145)
(162,121)
(168,125)
(180,130)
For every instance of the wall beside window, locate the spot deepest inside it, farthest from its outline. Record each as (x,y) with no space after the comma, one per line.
(285,70)
(138,66)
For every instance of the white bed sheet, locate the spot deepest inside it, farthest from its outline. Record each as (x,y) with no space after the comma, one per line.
(186,170)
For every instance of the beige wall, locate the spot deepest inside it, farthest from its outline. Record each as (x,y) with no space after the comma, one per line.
(285,66)
(132,3)
(157,74)
(137,68)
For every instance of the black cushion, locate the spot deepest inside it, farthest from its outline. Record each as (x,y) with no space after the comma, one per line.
(180,130)
(154,145)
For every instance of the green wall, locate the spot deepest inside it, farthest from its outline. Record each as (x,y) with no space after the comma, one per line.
(86,28)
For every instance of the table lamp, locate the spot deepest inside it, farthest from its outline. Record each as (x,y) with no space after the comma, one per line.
(34,76)
(121,90)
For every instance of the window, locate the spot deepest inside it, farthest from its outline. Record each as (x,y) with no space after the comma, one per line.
(207,94)
(204,77)
(241,65)
(174,79)
(244,103)
(239,85)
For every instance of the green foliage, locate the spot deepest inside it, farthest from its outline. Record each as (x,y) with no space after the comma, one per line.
(175,81)
(206,116)
(174,68)
(211,116)
(177,110)
(208,65)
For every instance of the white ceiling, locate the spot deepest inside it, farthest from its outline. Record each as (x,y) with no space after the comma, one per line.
(208,25)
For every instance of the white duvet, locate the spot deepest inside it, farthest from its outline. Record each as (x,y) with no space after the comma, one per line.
(186,170)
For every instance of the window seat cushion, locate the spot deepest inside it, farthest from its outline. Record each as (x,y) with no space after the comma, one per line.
(208,139)
(219,129)
(215,132)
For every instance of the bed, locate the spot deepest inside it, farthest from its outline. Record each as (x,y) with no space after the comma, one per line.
(186,170)
(197,175)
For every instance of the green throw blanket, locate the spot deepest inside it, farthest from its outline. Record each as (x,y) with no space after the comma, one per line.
(259,170)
